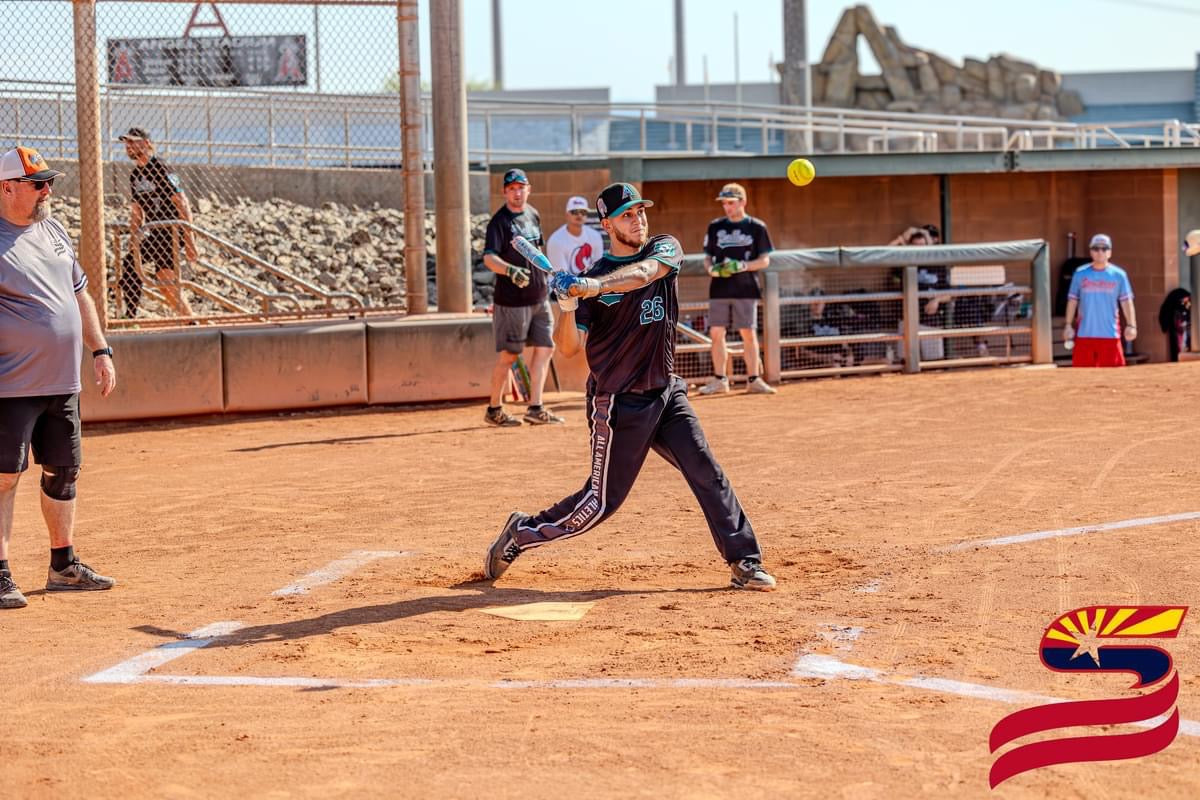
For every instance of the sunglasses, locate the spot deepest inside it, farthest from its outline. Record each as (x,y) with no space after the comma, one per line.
(1100,247)
(578,213)
(37,185)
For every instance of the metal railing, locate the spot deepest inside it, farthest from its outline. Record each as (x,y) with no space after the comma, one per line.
(1020,335)
(277,129)
(305,300)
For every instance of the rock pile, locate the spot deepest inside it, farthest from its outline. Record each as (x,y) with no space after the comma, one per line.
(916,80)
(340,248)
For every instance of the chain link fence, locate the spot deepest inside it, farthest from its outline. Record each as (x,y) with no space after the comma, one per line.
(237,99)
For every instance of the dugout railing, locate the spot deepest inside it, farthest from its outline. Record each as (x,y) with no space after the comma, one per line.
(241,286)
(852,310)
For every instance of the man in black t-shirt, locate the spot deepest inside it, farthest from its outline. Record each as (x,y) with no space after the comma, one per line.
(521,304)
(623,312)
(735,247)
(155,194)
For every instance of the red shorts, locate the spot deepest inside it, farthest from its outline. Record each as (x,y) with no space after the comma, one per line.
(1091,352)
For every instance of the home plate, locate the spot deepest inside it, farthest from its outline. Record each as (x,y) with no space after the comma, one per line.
(542,612)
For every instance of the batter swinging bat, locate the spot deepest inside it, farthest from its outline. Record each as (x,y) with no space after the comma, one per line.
(534,256)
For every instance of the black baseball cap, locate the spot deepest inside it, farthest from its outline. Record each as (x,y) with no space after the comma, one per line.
(617,197)
(515,176)
(135,135)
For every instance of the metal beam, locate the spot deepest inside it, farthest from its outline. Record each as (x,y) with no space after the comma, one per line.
(680,51)
(1106,158)
(497,48)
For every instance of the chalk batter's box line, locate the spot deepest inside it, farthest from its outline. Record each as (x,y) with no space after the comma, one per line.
(807,666)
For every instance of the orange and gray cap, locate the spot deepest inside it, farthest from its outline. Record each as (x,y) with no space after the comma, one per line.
(25,163)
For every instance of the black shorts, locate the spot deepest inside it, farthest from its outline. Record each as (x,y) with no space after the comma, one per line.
(156,249)
(49,423)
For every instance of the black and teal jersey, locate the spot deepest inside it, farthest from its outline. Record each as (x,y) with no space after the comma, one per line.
(631,336)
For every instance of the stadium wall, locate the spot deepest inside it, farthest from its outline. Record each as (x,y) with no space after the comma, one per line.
(427,358)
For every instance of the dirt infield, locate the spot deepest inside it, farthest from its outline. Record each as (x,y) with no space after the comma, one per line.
(376,674)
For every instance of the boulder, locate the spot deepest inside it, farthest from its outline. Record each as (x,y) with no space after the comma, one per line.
(1025,87)
(886,54)
(1049,82)
(1070,104)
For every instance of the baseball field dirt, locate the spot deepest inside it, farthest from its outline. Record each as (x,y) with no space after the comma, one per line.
(327,567)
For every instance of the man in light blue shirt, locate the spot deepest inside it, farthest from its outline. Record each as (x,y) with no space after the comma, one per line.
(1100,292)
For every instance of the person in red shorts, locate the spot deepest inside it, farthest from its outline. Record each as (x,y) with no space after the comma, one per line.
(1100,291)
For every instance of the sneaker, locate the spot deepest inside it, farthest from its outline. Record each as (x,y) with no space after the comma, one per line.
(759,386)
(542,416)
(715,386)
(505,549)
(749,574)
(501,419)
(10,595)
(77,577)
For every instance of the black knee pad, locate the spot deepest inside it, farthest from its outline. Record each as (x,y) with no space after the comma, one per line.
(59,484)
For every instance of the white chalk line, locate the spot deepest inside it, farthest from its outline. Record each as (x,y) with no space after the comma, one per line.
(137,669)
(1003,541)
(134,670)
(813,665)
(334,570)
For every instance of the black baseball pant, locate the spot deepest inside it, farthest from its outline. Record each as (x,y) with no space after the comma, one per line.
(624,428)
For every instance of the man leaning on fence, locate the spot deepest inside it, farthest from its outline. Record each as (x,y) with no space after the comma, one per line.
(46,319)
(155,195)
(735,247)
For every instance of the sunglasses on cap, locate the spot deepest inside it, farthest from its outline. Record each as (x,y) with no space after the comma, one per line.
(1100,247)
(37,185)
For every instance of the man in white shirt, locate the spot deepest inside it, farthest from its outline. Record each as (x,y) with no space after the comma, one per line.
(574,247)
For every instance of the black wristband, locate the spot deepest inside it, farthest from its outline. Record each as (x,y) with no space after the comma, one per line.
(103,351)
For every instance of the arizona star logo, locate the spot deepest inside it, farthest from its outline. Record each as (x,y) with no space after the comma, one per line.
(1098,639)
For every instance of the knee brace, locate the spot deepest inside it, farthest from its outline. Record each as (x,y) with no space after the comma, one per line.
(59,484)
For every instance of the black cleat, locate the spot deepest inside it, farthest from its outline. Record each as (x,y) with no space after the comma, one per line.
(505,549)
(749,574)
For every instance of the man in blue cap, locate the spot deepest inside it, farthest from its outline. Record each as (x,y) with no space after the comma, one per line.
(521,304)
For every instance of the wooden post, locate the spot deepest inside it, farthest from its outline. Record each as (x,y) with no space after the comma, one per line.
(413,158)
(451,194)
(91,169)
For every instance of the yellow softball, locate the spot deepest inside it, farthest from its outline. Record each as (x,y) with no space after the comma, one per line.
(801,172)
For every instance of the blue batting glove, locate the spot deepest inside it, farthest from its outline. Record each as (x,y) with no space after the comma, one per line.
(561,283)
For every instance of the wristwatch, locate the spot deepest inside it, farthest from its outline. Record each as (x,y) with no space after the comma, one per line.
(103,351)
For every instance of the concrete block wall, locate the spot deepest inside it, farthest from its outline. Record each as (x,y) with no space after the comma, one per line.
(550,189)
(429,358)
(832,211)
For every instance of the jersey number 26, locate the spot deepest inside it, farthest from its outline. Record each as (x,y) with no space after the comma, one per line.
(652,310)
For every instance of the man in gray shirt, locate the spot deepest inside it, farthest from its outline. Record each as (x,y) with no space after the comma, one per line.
(46,317)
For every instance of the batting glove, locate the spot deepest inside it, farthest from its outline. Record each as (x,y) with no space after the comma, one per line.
(1068,333)
(567,304)
(518,275)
